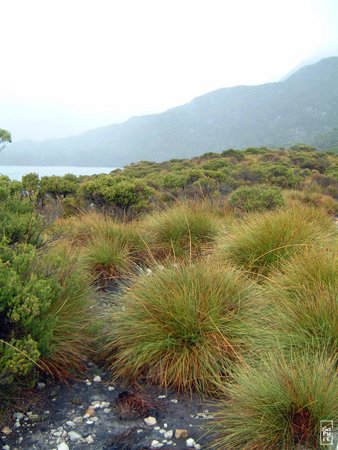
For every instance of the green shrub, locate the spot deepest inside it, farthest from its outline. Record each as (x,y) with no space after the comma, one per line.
(256,198)
(182,231)
(261,242)
(183,327)
(44,312)
(278,404)
(303,301)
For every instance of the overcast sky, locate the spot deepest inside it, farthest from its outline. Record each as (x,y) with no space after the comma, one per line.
(71,65)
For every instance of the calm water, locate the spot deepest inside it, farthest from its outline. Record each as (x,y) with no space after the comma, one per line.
(16,172)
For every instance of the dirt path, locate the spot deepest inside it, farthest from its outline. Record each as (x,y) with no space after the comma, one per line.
(98,415)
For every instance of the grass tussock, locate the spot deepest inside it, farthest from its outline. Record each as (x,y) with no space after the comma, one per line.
(182,231)
(260,243)
(278,404)
(303,300)
(69,319)
(108,249)
(183,326)
(314,199)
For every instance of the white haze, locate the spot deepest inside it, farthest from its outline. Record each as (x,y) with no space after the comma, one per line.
(71,65)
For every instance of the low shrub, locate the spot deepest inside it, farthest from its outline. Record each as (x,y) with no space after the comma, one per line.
(303,299)
(44,312)
(278,404)
(256,198)
(261,242)
(183,326)
(181,231)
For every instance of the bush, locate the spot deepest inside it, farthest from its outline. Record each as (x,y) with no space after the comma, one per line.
(278,404)
(260,243)
(183,327)
(44,313)
(303,300)
(182,231)
(256,198)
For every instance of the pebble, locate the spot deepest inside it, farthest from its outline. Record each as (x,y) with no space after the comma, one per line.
(18,415)
(6,430)
(156,444)
(190,443)
(111,388)
(168,434)
(151,421)
(63,446)
(6,447)
(107,410)
(89,439)
(17,424)
(70,423)
(174,400)
(162,396)
(41,386)
(198,447)
(74,436)
(78,419)
(97,379)
(181,434)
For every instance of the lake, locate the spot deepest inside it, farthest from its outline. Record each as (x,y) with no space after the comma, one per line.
(16,172)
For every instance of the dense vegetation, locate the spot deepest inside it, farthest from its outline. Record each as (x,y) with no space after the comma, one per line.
(223,271)
(302,108)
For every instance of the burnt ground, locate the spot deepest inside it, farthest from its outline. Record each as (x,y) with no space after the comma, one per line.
(115,421)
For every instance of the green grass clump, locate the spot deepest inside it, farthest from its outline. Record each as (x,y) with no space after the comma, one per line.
(182,231)
(108,249)
(278,404)
(261,242)
(309,198)
(183,326)
(304,301)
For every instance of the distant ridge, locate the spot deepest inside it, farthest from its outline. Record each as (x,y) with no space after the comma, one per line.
(298,109)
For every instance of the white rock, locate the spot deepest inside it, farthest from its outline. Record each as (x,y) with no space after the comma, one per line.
(96,404)
(17,424)
(97,379)
(156,444)
(169,434)
(89,439)
(165,425)
(63,446)
(157,428)
(162,396)
(18,415)
(190,443)
(174,400)
(70,423)
(95,419)
(6,447)
(89,422)
(198,447)
(74,436)
(151,421)
(111,388)
(104,404)
(41,385)
(139,430)
(107,410)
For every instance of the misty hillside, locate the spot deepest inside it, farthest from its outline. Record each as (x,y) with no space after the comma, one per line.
(302,108)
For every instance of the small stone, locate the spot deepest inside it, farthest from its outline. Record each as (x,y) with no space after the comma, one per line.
(18,415)
(6,447)
(190,443)
(63,446)
(107,410)
(165,425)
(41,386)
(70,423)
(88,383)
(90,411)
(74,436)
(139,430)
(89,439)
(95,419)
(156,444)
(97,379)
(89,422)
(162,396)
(181,434)
(17,424)
(95,405)
(78,419)
(198,447)
(174,400)
(161,430)
(151,421)
(6,430)
(169,434)
(111,388)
